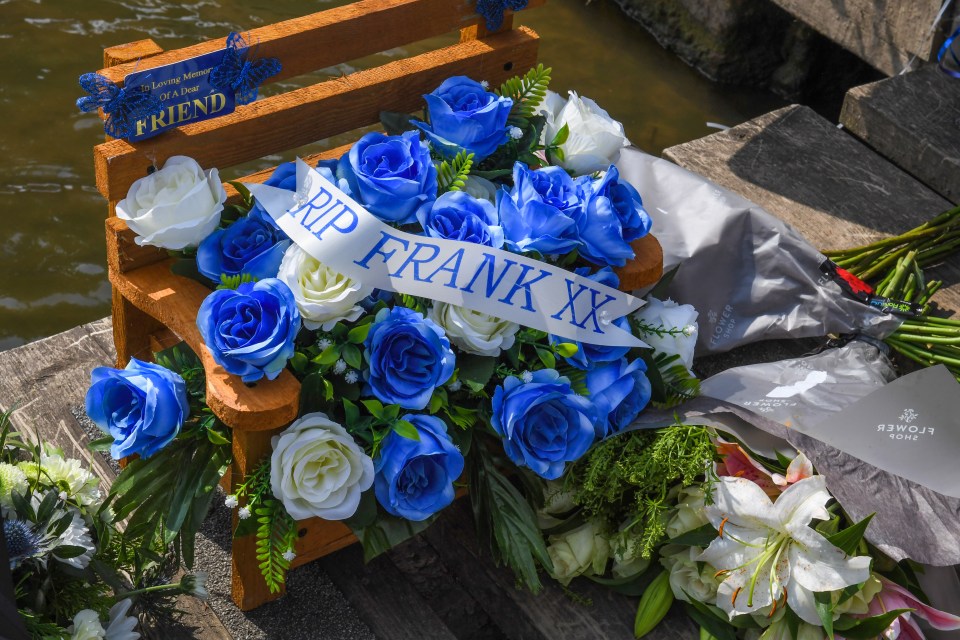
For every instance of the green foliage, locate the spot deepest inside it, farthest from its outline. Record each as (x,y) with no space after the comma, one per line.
(452,176)
(671,383)
(276,535)
(234,282)
(527,92)
(629,477)
(505,521)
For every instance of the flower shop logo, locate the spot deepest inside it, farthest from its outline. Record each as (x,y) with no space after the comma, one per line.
(723,324)
(906,427)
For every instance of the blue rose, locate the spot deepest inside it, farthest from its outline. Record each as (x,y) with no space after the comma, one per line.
(543,422)
(415,477)
(250,330)
(253,245)
(142,406)
(612,217)
(539,213)
(457,215)
(464,115)
(588,355)
(408,356)
(392,176)
(620,392)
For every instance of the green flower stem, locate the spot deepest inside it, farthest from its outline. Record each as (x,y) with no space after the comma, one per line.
(927,339)
(924,357)
(153,589)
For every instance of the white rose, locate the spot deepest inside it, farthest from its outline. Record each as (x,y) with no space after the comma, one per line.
(678,319)
(625,551)
(323,295)
(595,139)
(691,576)
(582,550)
(556,502)
(473,331)
(317,469)
(689,513)
(175,207)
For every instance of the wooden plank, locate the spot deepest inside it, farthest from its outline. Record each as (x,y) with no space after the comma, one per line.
(174,301)
(549,615)
(305,115)
(884,34)
(44,380)
(914,120)
(346,33)
(383,597)
(823,182)
(130,53)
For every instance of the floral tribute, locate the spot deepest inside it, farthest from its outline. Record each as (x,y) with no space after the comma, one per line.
(77,573)
(405,400)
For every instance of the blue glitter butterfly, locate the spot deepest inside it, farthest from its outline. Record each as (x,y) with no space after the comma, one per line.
(239,75)
(492,10)
(123,106)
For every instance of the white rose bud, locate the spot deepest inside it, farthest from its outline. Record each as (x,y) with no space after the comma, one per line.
(595,139)
(175,207)
(480,188)
(690,576)
(323,295)
(317,469)
(584,550)
(689,514)
(679,318)
(473,331)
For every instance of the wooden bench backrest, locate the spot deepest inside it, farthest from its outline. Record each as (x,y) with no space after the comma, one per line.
(295,118)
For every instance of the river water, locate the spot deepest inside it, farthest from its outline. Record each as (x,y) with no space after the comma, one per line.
(52,263)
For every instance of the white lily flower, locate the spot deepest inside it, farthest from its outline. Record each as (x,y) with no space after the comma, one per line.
(766,552)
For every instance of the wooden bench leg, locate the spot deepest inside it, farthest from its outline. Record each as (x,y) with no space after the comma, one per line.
(131,331)
(249,588)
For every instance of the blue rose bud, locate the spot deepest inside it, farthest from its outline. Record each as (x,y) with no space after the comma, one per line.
(250,330)
(392,176)
(620,392)
(414,478)
(459,216)
(539,213)
(589,355)
(142,406)
(612,217)
(252,245)
(408,356)
(544,424)
(464,115)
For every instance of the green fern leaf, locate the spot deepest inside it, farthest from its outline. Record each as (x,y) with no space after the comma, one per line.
(276,534)
(452,176)
(527,92)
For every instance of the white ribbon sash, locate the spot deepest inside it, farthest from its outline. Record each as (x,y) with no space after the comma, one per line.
(336,230)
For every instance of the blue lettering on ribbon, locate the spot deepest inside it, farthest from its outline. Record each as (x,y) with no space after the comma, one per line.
(453,270)
(571,299)
(322,203)
(412,259)
(378,249)
(520,284)
(489,261)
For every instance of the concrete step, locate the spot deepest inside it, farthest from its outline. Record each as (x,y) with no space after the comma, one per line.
(913,120)
(825,183)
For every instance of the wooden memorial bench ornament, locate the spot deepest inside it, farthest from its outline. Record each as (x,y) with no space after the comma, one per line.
(152,307)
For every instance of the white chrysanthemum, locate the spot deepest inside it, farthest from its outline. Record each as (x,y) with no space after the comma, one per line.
(324,296)
(11,479)
(474,331)
(76,535)
(64,474)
